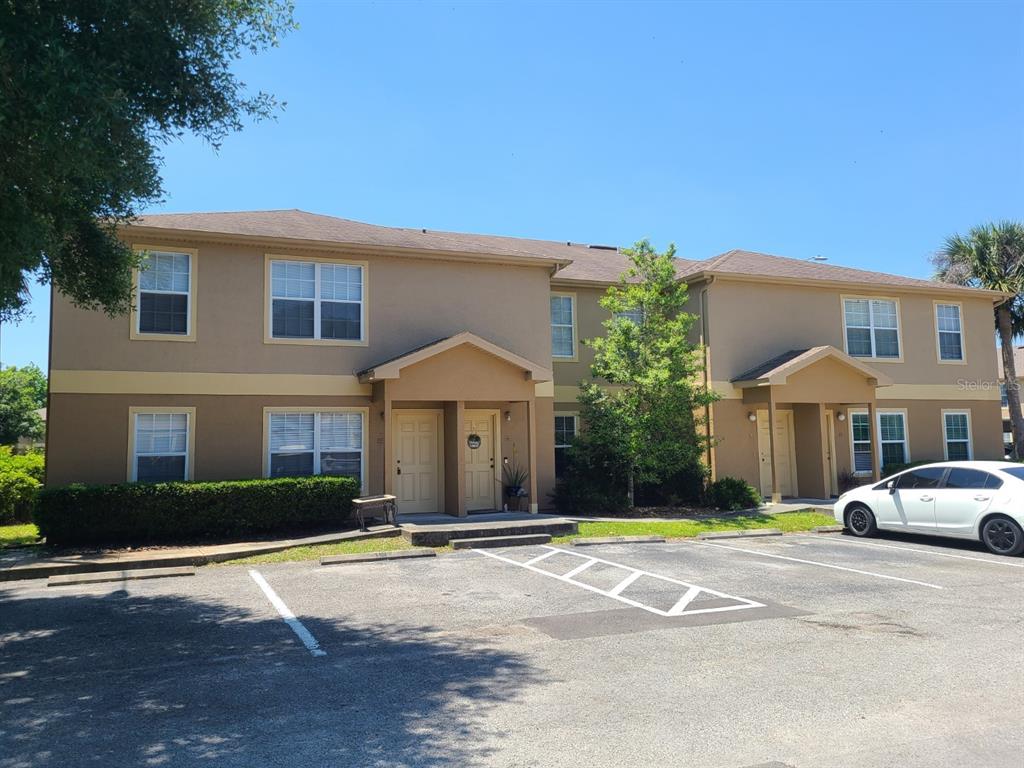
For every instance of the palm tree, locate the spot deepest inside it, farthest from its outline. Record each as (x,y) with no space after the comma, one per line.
(992,256)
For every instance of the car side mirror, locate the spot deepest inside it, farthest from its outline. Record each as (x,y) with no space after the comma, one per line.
(891,485)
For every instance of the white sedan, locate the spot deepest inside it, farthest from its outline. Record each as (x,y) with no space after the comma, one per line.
(980,500)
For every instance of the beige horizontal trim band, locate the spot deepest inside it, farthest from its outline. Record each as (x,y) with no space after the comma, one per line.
(544,389)
(179,383)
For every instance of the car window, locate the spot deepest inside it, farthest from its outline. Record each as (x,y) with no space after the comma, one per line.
(1017,472)
(961,477)
(927,477)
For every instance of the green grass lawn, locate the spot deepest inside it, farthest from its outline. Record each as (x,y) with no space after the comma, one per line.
(321,550)
(15,535)
(681,529)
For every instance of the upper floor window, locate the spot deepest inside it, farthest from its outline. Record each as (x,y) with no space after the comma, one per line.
(1004,398)
(950,330)
(872,328)
(160,446)
(635,316)
(165,294)
(315,300)
(563,326)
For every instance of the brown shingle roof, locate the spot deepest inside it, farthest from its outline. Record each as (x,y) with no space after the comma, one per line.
(300,225)
(1018,362)
(738,262)
(768,366)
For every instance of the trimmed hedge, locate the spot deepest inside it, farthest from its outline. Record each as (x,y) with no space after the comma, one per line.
(732,493)
(151,513)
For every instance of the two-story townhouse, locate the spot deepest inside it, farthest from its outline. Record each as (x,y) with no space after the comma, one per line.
(281,343)
(855,369)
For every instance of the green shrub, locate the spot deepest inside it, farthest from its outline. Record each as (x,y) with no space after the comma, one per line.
(732,494)
(17,497)
(148,513)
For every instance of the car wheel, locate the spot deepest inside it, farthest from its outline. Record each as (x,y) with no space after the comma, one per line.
(860,521)
(1002,536)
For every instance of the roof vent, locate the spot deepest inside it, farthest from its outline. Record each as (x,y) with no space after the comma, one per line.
(604,247)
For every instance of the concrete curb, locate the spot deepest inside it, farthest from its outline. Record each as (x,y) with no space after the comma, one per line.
(828,529)
(595,540)
(104,577)
(372,557)
(62,565)
(522,540)
(740,534)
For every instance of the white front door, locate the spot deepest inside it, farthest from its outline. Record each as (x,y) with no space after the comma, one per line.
(785,461)
(480,479)
(417,436)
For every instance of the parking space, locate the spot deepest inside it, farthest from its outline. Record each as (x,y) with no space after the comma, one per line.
(801,650)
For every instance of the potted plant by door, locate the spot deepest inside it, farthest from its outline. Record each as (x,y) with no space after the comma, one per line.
(514,479)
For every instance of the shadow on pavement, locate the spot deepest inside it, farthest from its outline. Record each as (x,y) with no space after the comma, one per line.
(122,679)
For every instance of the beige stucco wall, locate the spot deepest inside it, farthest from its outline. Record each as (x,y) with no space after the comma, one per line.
(751,322)
(410,302)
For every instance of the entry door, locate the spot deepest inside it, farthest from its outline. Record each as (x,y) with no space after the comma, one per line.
(417,461)
(785,463)
(481,482)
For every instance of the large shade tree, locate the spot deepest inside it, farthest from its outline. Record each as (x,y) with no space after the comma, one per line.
(992,256)
(89,91)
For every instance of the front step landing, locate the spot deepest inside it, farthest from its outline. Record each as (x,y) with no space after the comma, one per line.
(502,541)
(440,535)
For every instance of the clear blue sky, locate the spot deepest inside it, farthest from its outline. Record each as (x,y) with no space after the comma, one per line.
(862,132)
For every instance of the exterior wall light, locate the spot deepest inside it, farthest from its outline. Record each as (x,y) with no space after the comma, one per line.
(751,416)
(841,416)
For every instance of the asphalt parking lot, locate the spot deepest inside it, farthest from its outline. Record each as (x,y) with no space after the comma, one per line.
(803,650)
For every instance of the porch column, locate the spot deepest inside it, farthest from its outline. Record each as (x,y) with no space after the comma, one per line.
(455,458)
(389,446)
(531,419)
(776,493)
(876,443)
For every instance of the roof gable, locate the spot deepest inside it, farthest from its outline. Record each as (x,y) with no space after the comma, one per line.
(778,369)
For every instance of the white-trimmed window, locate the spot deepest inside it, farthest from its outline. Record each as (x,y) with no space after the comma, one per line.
(950,331)
(956,435)
(565,433)
(316,443)
(892,428)
(315,300)
(165,294)
(160,447)
(872,328)
(563,326)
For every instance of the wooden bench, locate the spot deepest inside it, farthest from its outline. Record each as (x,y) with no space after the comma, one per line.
(374,506)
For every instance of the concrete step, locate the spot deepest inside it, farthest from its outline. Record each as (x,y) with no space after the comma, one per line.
(502,541)
(440,535)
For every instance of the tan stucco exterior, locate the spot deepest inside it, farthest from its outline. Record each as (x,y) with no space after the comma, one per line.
(494,317)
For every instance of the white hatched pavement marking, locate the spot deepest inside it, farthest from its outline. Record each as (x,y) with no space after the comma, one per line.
(538,558)
(692,590)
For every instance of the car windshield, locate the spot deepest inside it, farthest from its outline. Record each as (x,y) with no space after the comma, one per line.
(1017,472)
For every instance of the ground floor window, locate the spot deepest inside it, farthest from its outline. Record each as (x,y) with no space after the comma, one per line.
(956,431)
(316,443)
(892,428)
(565,431)
(160,447)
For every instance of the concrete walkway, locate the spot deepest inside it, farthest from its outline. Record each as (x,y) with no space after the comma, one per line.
(24,563)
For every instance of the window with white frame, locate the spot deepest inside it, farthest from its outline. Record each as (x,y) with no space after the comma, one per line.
(892,429)
(860,430)
(872,328)
(950,330)
(316,443)
(165,287)
(563,334)
(956,429)
(160,447)
(565,433)
(315,300)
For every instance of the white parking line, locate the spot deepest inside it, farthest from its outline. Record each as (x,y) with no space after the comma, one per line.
(297,627)
(821,565)
(860,543)
(615,593)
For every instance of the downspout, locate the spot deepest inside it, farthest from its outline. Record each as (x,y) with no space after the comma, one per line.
(705,326)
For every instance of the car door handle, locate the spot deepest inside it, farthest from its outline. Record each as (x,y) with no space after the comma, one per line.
(927,498)
(979,497)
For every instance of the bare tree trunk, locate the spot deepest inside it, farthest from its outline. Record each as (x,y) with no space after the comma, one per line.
(1010,375)
(629,487)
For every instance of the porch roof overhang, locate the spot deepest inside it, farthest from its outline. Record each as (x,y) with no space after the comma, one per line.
(392,368)
(777,371)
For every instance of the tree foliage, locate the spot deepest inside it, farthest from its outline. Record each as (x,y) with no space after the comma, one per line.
(640,411)
(992,256)
(89,91)
(22,393)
